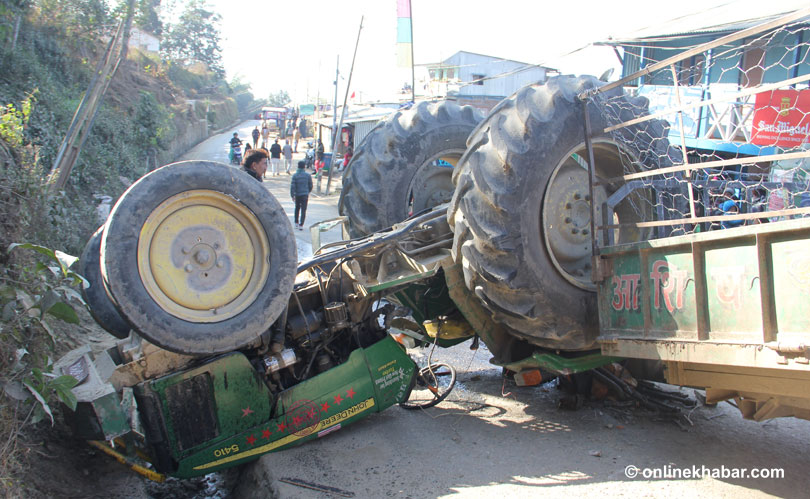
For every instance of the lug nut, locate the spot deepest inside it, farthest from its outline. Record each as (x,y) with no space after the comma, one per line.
(577,195)
(568,220)
(568,206)
(587,197)
(585,231)
(185,250)
(202,257)
(189,268)
(574,231)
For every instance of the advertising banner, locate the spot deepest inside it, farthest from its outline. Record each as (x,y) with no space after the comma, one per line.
(781,118)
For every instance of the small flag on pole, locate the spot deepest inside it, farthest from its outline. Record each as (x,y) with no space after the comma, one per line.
(352,97)
(404,34)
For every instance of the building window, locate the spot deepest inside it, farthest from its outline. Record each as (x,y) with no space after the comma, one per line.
(450,73)
(478,79)
(691,70)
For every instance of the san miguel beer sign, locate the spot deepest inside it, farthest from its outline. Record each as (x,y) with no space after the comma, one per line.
(782,118)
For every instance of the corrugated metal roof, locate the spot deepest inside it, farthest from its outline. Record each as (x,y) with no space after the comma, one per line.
(720,19)
(355,115)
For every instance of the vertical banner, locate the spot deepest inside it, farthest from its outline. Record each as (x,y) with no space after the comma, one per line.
(404,41)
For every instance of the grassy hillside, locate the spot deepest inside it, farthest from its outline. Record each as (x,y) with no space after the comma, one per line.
(151,104)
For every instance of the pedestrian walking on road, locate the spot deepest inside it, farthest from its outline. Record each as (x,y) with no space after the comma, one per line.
(255,135)
(265,134)
(287,152)
(296,135)
(255,163)
(300,187)
(275,157)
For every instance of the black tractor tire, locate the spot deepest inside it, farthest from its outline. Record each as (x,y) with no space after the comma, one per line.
(199,257)
(98,300)
(393,173)
(501,238)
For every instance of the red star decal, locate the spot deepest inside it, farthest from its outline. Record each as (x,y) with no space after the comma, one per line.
(296,421)
(265,433)
(325,407)
(350,393)
(247,411)
(311,413)
(338,399)
(282,426)
(251,439)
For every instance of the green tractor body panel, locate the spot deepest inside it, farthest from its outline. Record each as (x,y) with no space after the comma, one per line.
(221,414)
(735,297)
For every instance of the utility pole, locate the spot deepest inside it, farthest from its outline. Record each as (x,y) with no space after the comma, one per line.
(85,115)
(334,109)
(343,109)
(334,124)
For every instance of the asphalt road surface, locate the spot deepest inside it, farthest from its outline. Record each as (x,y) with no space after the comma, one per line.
(320,207)
(493,439)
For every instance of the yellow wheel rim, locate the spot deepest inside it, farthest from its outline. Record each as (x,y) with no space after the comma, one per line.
(203,256)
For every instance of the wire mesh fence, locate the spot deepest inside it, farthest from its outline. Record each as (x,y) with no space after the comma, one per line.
(710,136)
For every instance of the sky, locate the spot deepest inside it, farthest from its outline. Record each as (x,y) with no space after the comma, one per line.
(295,46)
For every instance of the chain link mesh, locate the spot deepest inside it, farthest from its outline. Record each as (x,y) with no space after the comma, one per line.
(734,145)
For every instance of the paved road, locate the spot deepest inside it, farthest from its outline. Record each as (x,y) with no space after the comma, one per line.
(492,439)
(321,207)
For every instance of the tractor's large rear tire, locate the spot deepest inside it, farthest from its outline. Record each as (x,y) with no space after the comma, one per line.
(521,210)
(199,257)
(404,165)
(98,300)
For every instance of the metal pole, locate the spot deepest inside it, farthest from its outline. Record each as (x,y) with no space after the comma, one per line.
(343,109)
(591,182)
(334,110)
(334,124)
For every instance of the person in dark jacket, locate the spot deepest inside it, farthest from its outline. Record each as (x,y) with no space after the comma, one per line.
(255,163)
(300,187)
(275,157)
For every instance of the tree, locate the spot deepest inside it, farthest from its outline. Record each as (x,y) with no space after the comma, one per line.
(83,19)
(278,99)
(147,18)
(195,38)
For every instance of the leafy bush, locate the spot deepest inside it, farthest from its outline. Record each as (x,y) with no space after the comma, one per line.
(32,296)
(152,124)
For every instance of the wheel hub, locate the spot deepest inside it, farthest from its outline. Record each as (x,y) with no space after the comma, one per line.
(567,220)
